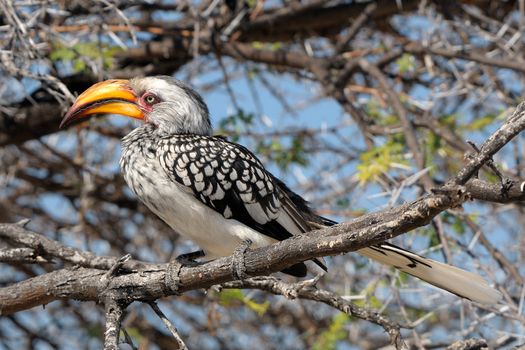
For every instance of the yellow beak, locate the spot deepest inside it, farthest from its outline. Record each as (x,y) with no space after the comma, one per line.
(108,97)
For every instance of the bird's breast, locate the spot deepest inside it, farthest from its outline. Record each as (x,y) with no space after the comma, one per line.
(175,204)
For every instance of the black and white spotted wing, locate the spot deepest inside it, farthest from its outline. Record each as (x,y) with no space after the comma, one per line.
(230,179)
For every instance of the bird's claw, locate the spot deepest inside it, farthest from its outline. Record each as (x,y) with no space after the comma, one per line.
(506,185)
(172,279)
(188,259)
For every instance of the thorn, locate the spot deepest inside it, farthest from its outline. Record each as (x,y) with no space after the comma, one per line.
(490,164)
(313,281)
(115,268)
(23,223)
(292,291)
(473,145)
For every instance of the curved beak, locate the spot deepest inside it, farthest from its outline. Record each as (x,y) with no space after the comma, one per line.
(108,97)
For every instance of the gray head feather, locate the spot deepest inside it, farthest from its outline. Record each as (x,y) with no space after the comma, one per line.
(181,110)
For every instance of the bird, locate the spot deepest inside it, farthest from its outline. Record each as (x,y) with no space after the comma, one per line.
(216,192)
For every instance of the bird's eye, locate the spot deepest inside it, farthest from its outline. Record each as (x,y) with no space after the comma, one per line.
(150,99)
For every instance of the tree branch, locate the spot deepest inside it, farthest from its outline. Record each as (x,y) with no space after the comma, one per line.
(307,290)
(114,312)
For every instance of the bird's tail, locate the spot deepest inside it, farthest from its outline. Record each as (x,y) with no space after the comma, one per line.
(460,282)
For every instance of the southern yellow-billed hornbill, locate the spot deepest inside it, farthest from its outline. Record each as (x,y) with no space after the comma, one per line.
(217,193)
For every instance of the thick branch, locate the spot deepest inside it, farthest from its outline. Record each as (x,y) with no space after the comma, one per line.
(493,192)
(17,234)
(150,283)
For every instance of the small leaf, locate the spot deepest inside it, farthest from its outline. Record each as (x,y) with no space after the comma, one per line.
(78,66)
(343,203)
(480,123)
(134,333)
(405,63)
(228,297)
(335,332)
(379,160)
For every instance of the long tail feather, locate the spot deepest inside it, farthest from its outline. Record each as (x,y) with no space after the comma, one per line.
(460,282)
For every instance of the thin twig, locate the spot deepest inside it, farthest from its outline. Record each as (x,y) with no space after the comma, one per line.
(169,325)
(308,291)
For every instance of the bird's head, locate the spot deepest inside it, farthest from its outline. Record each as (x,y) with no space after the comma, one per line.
(168,104)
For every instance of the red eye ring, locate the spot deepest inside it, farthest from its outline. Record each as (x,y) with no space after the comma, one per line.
(150,99)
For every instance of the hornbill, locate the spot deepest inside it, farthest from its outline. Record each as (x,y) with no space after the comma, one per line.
(216,192)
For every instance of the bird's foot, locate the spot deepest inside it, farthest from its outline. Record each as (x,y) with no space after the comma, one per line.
(239,263)
(188,259)
(172,279)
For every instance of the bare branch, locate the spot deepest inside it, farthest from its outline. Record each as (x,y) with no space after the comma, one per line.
(169,325)
(470,344)
(308,291)
(21,255)
(114,313)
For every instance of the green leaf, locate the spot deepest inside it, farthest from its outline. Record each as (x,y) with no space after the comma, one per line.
(252,73)
(402,278)
(257,45)
(283,155)
(457,224)
(343,203)
(236,124)
(405,63)
(259,308)
(228,297)
(275,46)
(373,109)
(80,52)
(449,120)
(134,333)
(379,160)
(480,123)
(62,53)
(389,120)
(78,66)
(335,332)
(95,330)
(431,233)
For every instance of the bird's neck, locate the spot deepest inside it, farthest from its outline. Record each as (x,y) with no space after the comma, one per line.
(148,131)
(139,135)
(168,120)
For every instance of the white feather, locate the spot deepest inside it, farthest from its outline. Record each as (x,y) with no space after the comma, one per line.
(460,282)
